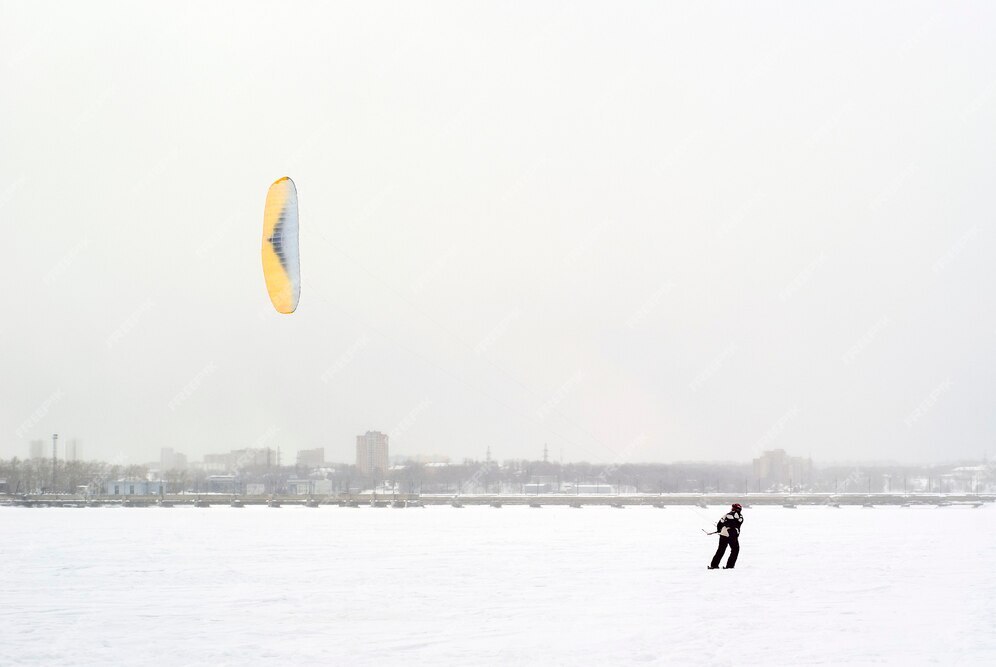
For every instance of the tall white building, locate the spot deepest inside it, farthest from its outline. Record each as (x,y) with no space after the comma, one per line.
(777,466)
(36,449)
(171,460)
(74,450)
(371,453)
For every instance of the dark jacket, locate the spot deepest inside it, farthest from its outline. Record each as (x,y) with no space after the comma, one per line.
(730,524)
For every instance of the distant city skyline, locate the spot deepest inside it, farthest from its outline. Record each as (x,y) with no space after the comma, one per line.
(172,458)
(258,472)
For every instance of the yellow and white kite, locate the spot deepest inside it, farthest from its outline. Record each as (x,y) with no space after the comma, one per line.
(281,257)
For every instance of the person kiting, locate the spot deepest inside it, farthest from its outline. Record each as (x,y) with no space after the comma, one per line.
(729,534)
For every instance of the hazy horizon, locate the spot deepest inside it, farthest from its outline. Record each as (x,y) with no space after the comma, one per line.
(288,458)
(632,233)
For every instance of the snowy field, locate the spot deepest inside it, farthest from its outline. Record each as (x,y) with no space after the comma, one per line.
(485,586)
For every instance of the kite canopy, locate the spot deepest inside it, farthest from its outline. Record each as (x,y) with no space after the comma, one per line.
(281,258)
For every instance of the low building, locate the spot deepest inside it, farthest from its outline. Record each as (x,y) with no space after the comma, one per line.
(299,487)
(133,487)
(322,487)
(221,484)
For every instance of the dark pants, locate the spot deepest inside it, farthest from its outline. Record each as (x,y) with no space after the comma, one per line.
(734,541)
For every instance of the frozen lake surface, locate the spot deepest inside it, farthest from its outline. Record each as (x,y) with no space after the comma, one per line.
(485,586)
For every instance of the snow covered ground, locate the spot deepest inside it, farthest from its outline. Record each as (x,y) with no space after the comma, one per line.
(484,586)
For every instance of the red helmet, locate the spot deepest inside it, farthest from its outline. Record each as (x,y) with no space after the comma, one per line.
(737,506)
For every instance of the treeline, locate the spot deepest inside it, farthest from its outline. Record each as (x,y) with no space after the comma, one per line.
(27,476)
(38,476)
(685,477)
(490,477)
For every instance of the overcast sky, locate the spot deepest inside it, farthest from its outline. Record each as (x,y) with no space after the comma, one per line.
(638,232)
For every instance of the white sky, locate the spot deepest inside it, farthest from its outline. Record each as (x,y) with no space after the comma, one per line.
(633,232)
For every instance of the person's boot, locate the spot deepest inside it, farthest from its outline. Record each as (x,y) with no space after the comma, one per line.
(712,567)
